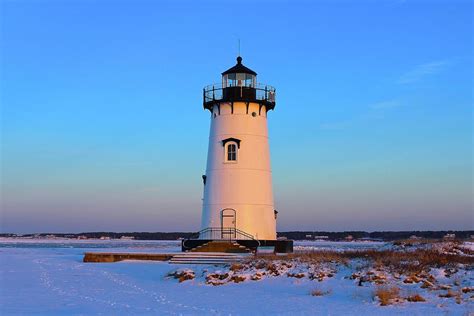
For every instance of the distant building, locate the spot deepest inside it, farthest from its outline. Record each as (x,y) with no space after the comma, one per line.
(370,239)
(81,237)
(127,237)
(349,238)
(309,236)
(105,238)
(449,237)
(321,237)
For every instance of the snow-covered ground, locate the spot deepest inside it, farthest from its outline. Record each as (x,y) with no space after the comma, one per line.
(48,277)
(306,245)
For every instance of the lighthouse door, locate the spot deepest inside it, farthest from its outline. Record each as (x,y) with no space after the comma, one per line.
(228,223)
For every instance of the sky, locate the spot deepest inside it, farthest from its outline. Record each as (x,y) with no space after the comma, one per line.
(102,125)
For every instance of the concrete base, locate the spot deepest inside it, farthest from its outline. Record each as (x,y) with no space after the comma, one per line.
(280,246)
(114,257)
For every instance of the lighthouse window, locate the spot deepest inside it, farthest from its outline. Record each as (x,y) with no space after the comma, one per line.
(238,80)
(231,152)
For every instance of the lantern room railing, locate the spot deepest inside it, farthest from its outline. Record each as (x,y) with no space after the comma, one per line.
(259,93)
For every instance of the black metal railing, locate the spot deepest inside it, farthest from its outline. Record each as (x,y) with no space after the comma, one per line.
(258,93)
(223,233)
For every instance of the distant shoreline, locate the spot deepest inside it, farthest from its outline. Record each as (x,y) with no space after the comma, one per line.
(295,235)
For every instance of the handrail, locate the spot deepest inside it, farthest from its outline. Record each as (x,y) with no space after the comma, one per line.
(258,85)
(224,233)
(215,93)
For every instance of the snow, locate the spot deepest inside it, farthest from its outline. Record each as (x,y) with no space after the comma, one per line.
(468,245)
(339,245)
(112,245)
(49,277)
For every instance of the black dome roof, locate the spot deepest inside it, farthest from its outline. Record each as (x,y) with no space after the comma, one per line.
(239,68)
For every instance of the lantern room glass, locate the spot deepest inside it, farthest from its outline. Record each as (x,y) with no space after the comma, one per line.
(239,80)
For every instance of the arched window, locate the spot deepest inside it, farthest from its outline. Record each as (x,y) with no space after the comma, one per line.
(231,152)
(231,149)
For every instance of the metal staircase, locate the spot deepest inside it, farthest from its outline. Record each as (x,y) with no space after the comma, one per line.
(219,239)
(223,233)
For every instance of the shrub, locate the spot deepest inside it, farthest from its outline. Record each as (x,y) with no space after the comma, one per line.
(386,295)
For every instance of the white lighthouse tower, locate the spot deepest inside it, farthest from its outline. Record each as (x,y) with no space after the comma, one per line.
(238,181)
(238,197)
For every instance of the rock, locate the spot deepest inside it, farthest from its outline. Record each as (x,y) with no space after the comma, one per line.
(182,275)
(256,277)
(272,269)
(238,278)
(467,289)
(295,275)
(217,276)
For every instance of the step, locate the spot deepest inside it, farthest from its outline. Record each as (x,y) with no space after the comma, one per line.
(223,246)
(211,254)
(208,253)
(206,258)
(202,260)
(199,262)
(196,261)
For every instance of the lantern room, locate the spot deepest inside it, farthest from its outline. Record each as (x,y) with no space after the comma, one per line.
(239,76)
(239,84)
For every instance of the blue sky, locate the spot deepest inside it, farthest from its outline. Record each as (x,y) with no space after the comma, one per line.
(103,126)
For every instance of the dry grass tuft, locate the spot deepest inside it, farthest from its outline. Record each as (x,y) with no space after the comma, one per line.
(318,292)
(452,294)
(448,294)
(415,298)
(387,295)
(236,267)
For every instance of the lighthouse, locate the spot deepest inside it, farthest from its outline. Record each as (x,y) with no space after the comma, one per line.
(238,201)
